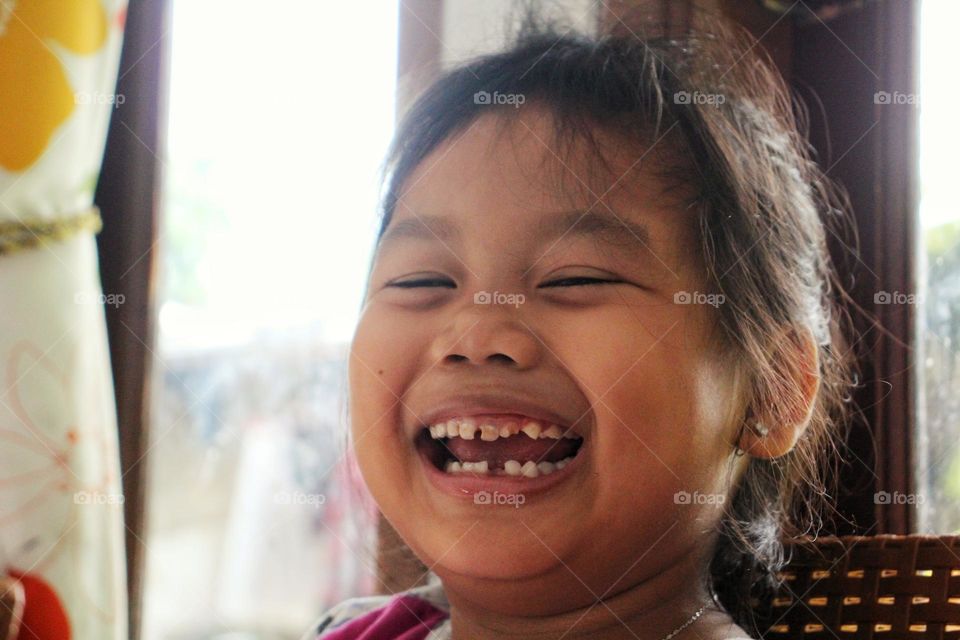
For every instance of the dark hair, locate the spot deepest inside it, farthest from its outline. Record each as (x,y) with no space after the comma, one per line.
(764,209)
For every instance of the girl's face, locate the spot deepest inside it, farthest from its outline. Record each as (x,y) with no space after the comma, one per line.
(624,362)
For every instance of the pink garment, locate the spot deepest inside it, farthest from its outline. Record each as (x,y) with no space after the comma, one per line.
(417,614)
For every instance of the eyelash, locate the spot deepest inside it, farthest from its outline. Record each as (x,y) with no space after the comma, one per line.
(582,278)
(414,284)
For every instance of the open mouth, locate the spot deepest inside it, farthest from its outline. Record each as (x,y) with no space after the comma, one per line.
(498,445)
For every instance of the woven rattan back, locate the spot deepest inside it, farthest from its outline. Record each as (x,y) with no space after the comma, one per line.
(881,587)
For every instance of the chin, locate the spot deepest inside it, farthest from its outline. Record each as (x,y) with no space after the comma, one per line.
(481,554)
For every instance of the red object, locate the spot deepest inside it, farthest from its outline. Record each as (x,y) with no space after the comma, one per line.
(44,617)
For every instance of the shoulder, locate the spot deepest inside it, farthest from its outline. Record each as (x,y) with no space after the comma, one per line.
(422,612)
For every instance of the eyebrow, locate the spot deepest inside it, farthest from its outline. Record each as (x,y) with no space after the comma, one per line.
(604,226)
(421,228)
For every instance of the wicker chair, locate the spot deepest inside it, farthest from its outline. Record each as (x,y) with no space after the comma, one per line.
(869,587)
(878,587)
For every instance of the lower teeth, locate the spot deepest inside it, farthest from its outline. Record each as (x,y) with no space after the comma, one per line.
(528,469)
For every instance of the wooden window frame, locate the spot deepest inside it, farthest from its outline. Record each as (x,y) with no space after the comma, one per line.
(128,194)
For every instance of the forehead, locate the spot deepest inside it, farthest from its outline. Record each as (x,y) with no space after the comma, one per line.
(509,168)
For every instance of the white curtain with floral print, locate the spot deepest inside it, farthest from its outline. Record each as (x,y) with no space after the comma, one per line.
(61,511)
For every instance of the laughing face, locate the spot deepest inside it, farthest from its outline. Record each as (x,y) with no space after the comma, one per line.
(538,401)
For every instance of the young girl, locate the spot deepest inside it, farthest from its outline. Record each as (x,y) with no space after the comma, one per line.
(598,366)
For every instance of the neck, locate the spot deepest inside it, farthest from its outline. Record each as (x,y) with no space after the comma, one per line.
(648,607)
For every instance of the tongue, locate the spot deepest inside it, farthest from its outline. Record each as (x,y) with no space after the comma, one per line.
(519,447)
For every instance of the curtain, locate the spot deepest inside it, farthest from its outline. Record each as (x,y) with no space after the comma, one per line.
(61,524)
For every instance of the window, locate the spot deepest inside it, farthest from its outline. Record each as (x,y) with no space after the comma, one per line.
(938,312)
(277,125)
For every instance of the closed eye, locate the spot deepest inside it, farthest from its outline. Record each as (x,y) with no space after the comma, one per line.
(423,282)
(578,281)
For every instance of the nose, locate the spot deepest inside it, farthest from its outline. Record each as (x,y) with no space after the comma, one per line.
(488,333)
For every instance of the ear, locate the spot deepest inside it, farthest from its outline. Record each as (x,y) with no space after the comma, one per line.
(798,364)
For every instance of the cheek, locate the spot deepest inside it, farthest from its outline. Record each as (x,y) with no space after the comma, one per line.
(382,362)
(624,359)
(659,396)
(384,354)
(642,428)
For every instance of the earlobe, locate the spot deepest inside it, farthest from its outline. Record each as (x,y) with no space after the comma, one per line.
(770,442)
(771,432)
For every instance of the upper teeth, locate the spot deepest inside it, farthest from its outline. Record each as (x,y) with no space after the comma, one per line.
(468,428)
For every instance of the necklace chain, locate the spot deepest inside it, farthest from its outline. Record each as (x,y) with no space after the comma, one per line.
(686,624)
(692,619)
